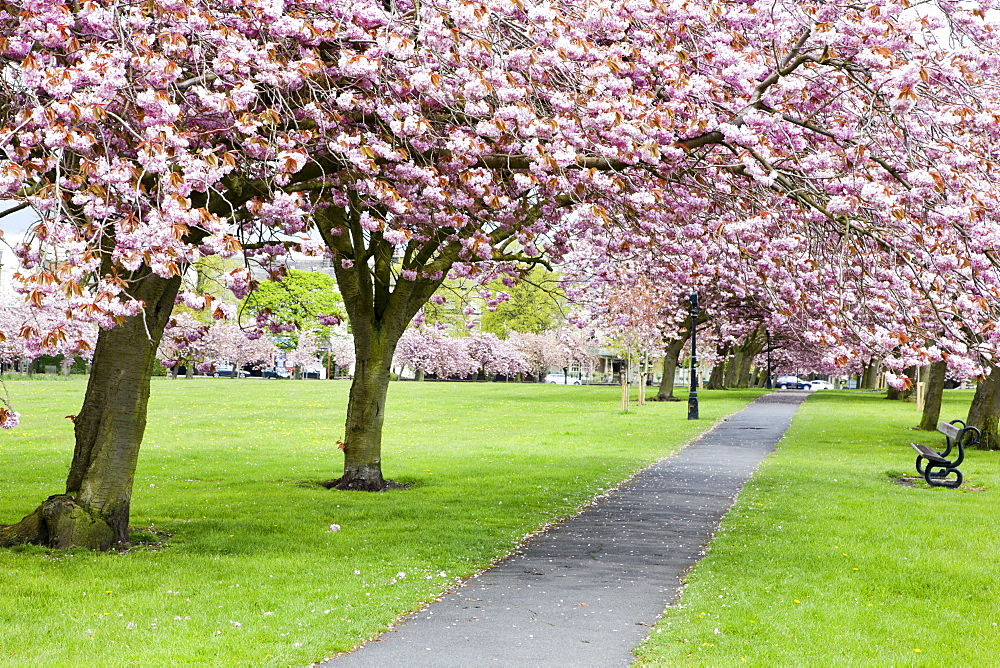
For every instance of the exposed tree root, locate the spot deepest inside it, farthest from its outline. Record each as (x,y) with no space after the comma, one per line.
(61,524)
(29,531)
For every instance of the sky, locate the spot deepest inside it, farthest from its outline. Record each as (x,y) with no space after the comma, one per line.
(14,226)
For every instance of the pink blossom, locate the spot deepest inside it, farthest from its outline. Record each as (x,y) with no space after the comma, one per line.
(8,418)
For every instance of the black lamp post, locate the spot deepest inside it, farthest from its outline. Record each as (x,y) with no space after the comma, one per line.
(693,394)
(767,336)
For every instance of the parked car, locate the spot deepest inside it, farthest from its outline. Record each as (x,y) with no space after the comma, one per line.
(277,372)
(792,383)
(227,372)
(560,379)
(821,385)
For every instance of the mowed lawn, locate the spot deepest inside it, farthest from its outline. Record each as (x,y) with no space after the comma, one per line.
(251,573)
(825,561)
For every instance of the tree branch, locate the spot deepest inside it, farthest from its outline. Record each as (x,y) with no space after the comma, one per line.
(14,209)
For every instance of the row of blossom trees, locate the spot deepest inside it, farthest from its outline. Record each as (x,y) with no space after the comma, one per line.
(189,342)
(27,333)
(432,350)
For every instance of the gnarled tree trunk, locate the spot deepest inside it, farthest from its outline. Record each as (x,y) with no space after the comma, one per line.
(984,413)
(94,510)
(932,396)
(670,357)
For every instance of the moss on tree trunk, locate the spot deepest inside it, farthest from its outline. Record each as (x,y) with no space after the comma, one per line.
(94,510)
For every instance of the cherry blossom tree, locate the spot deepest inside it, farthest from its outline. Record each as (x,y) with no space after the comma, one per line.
(226,342)
(341,350)
(305,354)
(182,343)
(495,355)
(540,351)
(27,333)
(574,346)
(433,351)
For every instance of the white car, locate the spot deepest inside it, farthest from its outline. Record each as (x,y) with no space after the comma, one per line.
(820,385)
(560,379)
(791,383)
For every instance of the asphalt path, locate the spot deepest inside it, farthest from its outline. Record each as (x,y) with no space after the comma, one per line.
(586,592)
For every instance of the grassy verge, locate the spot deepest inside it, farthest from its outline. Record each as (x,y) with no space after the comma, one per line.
(825,561)
(252,575)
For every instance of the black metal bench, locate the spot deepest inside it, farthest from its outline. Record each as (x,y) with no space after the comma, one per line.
(958,437)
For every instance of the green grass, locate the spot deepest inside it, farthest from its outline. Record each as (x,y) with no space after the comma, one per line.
(825,561)
(251,574)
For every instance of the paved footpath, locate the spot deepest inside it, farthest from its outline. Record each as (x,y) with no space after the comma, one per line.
(587,591)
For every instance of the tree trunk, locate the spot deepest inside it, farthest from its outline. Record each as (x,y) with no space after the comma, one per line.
(94,510)
(715,379)
(984,413)
(746,365)
(932,396)
(733,366)
(380,302)
(752,345)
(670,357)
(366,413)
(870,376)
(365,417)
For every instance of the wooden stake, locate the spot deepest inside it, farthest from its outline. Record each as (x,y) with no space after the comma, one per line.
(624,390)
